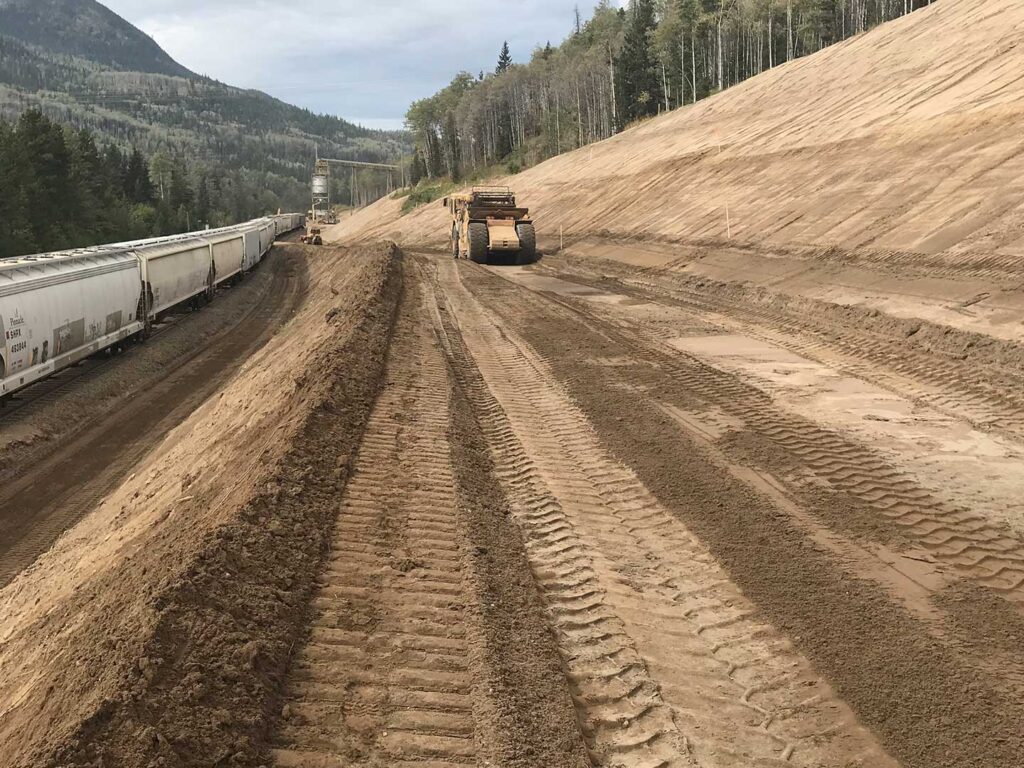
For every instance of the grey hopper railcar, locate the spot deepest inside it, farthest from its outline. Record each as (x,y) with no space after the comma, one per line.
(56,309)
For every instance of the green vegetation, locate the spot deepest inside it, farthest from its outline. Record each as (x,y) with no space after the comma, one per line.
(427,192)
(61,189)
(622,66)
(81,65)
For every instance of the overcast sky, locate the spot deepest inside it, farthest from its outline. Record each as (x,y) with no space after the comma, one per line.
(364,60)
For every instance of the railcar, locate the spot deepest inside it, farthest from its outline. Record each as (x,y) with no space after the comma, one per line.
(57,309)
(268,233)
(228,251)
(174,272)
(251,248)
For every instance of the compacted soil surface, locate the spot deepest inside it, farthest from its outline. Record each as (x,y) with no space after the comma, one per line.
(730,478)
(570,514)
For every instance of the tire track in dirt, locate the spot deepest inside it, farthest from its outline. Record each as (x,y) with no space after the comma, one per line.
(933,702)
(430,647)
(669,663)
(965,542)
(986,396)
(387,675)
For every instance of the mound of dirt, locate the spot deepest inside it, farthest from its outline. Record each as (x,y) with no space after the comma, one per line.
(156,631)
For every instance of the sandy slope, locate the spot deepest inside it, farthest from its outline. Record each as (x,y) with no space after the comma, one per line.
(198,561)
(896,139)
(887,170)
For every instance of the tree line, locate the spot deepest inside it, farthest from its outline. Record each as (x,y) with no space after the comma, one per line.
(618,67)
(60,188)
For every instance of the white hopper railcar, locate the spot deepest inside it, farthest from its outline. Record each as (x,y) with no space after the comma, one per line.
(251,248)
(268,232)
(57,309)
(228,251)
(174,272)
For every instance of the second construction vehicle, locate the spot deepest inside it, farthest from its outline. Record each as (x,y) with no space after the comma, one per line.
(487,225)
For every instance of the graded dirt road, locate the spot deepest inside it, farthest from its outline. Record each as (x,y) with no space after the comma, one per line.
(563,515)
(730,580)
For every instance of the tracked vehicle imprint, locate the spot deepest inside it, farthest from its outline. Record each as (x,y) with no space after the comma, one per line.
(387,677)
(669,664)
(965,542)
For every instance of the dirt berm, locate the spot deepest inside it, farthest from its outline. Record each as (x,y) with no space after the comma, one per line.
(156,631)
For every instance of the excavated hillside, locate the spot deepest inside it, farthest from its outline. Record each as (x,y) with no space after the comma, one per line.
(894,152)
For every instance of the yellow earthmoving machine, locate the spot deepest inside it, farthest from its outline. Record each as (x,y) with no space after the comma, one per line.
(312,237)
(488,226)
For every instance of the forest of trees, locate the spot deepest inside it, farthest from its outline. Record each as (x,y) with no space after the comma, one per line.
(60,189)
(267,143)
(620,66)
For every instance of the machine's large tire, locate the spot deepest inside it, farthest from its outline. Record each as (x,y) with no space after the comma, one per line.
(527,243)
(478,238)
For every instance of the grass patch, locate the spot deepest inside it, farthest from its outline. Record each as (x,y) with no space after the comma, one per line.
(427,192)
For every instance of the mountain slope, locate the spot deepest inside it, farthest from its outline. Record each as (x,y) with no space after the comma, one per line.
(83,65)
(86,29)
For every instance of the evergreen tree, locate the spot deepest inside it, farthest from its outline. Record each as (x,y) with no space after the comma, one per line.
(203,209)
(504,59)
(49,195)
(418,169)
(640,90)
(60,189)
(15,233)
(137,185)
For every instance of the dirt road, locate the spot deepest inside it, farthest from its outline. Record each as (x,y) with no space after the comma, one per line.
(578,513)
(730,579)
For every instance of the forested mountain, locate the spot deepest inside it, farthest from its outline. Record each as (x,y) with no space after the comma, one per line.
(81,65)
(86,29)
(620,66)
(60,189)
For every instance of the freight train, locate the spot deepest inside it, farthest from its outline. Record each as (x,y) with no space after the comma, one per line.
(59,308)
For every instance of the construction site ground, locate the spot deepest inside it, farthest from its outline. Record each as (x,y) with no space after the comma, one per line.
(724,480)
(568,514)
